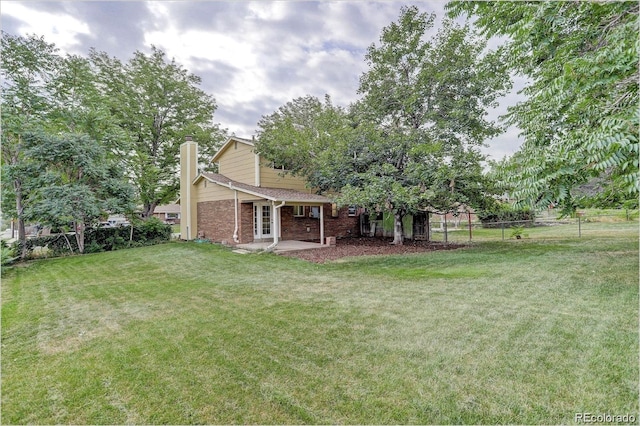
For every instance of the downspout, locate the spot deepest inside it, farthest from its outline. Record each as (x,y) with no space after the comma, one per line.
(276,225)
(235,205)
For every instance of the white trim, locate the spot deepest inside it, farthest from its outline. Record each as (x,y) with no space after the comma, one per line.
(276,224)
(230,185)
(321,225)
(258,232)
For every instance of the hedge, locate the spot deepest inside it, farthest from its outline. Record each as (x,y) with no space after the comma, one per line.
(495,216)
(96,240)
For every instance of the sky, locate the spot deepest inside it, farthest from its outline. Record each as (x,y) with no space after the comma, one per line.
(252,57)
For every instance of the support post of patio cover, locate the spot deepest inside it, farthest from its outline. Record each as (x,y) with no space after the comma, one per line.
(276,223)
(321,225)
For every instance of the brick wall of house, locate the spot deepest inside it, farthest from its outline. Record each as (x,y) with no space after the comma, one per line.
(246,223)
(295,228)
(216,220)
(341,226)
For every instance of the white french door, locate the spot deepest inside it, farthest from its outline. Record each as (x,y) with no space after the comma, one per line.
(262,221)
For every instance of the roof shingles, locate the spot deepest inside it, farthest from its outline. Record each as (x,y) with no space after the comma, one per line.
(274,194)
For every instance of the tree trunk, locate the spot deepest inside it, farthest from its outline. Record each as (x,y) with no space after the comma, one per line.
(64,235)
(79,231)
(22,233)
(398,235)
(148,210)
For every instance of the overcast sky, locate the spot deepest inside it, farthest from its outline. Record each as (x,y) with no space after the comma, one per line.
(252,56)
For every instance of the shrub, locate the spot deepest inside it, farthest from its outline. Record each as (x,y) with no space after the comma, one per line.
(7,253)
(149,232)
(57,244)
(495,215)
(154,231)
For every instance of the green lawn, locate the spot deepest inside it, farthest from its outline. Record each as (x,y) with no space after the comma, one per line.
(529,332)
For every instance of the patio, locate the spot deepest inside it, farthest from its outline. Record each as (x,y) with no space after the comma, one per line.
(283,246)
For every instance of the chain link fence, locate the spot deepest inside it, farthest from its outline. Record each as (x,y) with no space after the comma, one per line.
(547,225)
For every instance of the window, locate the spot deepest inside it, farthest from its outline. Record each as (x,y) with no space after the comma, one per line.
(298,211)
(314,212)
(353,210)
(172,216)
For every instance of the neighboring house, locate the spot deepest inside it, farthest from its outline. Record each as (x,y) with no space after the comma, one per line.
(168,213)
(250,201)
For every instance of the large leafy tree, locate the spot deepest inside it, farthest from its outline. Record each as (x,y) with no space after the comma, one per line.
(580,119)
(27,68)
(413,139)
(75,184)
(306,137)
(157,103)
(427,99)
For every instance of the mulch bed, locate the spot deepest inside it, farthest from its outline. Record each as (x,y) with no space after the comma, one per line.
(349,247)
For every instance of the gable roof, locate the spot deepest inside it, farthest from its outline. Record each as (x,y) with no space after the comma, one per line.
(273,194)
(228,143)
(167,208)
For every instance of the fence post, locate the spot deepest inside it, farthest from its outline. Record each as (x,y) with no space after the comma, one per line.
(579,226)
(502,226)
(446,237)
(469,214)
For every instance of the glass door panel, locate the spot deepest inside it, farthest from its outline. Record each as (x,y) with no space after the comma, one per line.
(266,220)
(262,219)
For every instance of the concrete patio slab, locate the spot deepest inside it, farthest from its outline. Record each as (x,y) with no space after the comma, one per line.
(287,245)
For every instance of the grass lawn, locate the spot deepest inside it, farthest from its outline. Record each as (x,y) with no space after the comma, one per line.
(530,332)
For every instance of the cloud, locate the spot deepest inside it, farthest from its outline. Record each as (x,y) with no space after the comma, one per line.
(252,56)
(116,27)
(57,27)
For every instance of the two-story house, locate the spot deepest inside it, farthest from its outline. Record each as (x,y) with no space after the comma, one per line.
(249,200)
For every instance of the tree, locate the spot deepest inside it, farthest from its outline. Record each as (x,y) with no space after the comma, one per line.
(580,119)
(306,137)
(27,67)
(76,183)
(413,139)
(428,101)
(157,103)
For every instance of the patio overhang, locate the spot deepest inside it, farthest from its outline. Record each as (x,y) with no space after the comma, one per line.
(277,197)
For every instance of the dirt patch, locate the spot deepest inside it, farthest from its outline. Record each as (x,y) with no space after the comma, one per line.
(349,247)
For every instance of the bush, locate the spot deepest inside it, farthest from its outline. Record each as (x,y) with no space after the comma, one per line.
(57,244)
(7,253)
(149,232)
(495,215)
(154,231)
